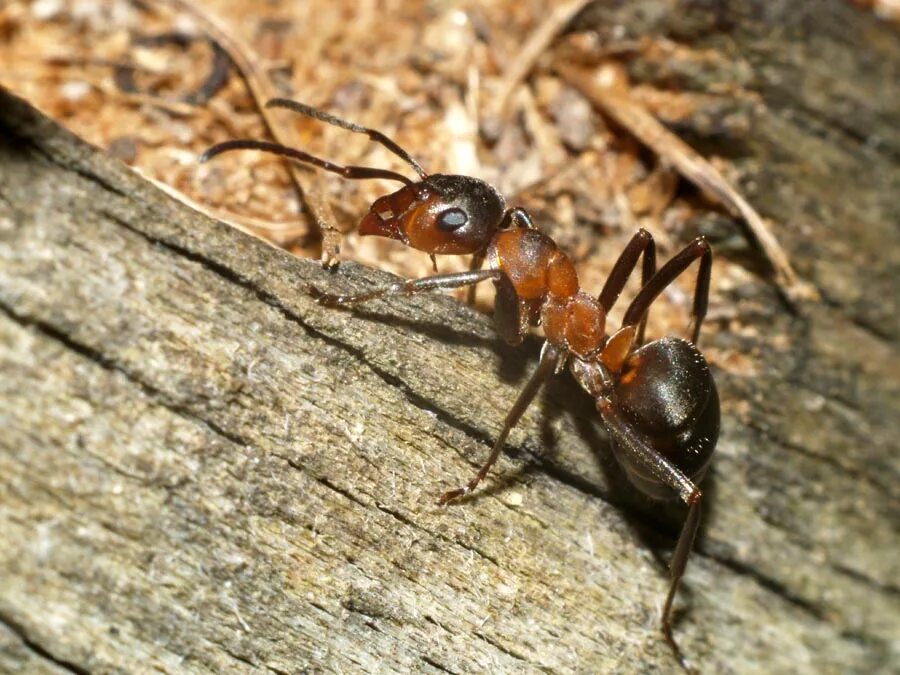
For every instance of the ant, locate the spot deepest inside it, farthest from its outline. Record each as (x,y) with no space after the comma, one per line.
(657,401)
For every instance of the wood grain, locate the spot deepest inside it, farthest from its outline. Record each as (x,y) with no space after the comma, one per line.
(202,470)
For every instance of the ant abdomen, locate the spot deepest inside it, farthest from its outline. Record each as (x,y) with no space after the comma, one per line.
(666,393)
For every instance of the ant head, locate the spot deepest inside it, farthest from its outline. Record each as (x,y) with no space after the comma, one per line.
(437,214)
(441,214)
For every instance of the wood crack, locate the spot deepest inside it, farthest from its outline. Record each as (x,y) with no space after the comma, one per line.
(152,393)
(38,649)
(399,517)
(553,470)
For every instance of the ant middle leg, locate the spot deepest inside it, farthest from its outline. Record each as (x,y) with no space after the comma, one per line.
(406,287)
(551,360)
(699,248)
(641,244)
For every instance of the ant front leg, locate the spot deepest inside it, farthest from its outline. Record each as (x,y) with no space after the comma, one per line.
(551,360)
(407,287)
(474,265)
(699,248)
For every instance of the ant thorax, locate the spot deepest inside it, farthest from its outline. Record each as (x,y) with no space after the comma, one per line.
(540,280)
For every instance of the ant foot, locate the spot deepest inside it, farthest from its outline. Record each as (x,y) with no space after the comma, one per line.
(453,494)
(677,653)
(322,298)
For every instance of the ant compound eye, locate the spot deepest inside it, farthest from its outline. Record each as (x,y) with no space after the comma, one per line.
(461,215)
(452,219)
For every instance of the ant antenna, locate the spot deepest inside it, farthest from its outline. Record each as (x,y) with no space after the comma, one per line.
(375,135)
(352,172)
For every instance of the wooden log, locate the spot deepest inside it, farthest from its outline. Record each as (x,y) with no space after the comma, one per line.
(202,470)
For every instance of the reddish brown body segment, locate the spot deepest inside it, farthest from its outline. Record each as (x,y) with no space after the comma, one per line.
(441,215)
(546,284)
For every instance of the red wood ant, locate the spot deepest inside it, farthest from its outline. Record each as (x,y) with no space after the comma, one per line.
(658,401)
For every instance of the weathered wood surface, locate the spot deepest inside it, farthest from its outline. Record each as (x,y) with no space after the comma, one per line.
(200,469)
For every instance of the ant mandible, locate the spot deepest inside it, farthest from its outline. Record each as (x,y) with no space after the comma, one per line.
(658,400)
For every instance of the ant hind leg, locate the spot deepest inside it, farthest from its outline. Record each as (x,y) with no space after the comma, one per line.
(699,248)
(641,454)
(676,568)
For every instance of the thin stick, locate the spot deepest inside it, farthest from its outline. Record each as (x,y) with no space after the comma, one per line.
(521,65)
(261,90)
(649,131)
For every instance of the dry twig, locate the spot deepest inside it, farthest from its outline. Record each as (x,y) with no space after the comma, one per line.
(260,87)
(523,63)
(649,131)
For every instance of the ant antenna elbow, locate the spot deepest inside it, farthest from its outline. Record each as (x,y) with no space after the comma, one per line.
(377,136)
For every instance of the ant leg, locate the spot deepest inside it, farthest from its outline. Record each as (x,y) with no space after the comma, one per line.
(551,359)
(640,453)
(677,567)
(519,217)
(405,287)
(516,216)
(699,248)
(474,265)
(641,243)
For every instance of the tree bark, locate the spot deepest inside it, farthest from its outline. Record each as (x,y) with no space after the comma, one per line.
(203,470)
